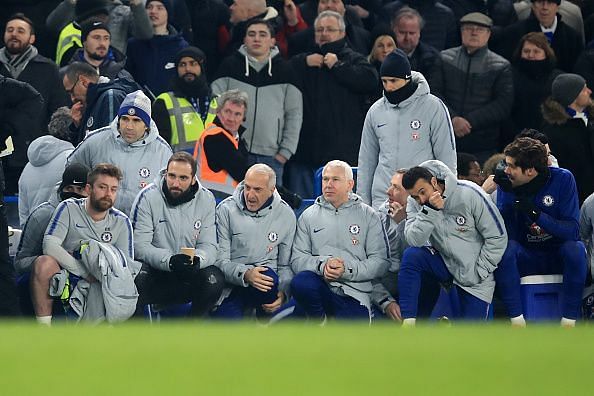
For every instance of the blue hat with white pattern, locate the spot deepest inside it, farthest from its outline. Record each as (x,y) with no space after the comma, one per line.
(137,104)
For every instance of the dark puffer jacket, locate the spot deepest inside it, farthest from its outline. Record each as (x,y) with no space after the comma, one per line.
(478,87)
(572,142)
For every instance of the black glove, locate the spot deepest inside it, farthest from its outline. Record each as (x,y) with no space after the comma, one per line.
(500,178)
(196,262)
(526,205)
(180,263)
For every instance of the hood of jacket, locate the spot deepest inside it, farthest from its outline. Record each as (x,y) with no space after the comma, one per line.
(554,113)
(254,63)
(442,172)
(45,148)
(148,138)
(104,84)
(239,201)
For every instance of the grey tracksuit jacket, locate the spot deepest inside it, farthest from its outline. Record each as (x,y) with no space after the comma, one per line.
(140,161)
(31,243)
(403,136)
(161,230)
(249,239)
(353,232)
(468,232)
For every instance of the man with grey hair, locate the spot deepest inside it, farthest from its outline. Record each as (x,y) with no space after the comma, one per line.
(255,230)
(407,25)
(47,157)
(221,155)
(340,248)
(335,82)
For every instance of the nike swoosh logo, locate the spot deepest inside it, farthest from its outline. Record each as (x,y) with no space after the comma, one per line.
(236,233)
(79,226)
(380,125)
(317,230)
(162,221)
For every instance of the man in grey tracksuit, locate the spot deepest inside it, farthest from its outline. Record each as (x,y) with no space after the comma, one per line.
(132,142)
(172,213)
(405,127)
(340,248)
(466,233)
(30,257)
(255,228)
(78,220)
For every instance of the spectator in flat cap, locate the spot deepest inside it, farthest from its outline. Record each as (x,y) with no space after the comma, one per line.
(567,114)
(151,61)
(132,142)
(407,126)
(565,41)
(98,52)
(190,96)
(478,109)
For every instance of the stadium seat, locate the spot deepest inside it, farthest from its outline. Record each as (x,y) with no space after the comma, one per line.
(542,297)
(154,312)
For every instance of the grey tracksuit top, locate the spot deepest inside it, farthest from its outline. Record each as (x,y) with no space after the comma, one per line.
(249,239)
(468,232)
(403,136)
(140,161)
(353,232)
(161,230)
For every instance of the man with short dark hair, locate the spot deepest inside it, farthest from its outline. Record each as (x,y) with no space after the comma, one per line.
(478,108)
(132,141)
(169,215)
(21,60)
(469,168)
(466,235)
(30,257)
(95,99)
(541,213)
(271,136)
(98,52)
(255,229)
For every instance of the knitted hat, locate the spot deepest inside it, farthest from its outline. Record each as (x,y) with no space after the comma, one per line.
(476,18)
(74,175)
(167,4)
(87,8)
(396,65)
(192,52)
(567,87)
(88,27)
(554,1)
(137,104)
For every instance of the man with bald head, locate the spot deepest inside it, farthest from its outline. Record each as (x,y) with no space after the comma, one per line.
(255,229)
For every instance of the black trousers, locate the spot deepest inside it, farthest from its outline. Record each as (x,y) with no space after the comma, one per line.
(201,287)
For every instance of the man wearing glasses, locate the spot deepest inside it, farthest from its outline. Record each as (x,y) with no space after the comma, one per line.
(477,87)
(95,99)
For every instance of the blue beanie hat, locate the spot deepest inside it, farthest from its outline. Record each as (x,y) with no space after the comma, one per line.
(396,65)
(168,6)
(137,104)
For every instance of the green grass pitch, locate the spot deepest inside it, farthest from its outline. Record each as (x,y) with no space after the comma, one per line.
(197,358)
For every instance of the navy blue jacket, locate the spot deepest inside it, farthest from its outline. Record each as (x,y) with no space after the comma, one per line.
(559,218)
(152,62)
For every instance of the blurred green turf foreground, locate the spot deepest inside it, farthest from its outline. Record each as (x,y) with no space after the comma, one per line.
(193,358)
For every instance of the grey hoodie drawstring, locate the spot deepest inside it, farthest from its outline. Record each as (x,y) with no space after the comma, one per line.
(270,66)
(247,66)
